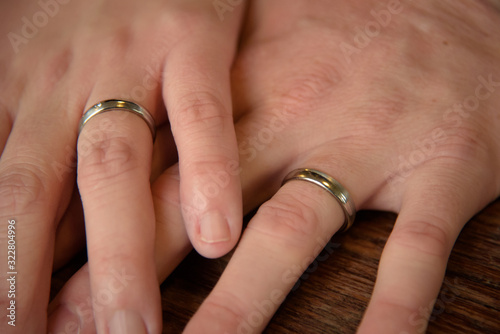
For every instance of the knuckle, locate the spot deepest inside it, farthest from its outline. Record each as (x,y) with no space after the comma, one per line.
(21,186)
(205,166)
(121,40)
(210,178)
(225,306)
(290,218)
(54,69)
(180,21)
(373,115)
(201,112)
(394,302)
(465,144)
(108,261)
(189,19)
(207,156)
(114,277)
(106,159)
(304,92)
(117,41)
(424,237)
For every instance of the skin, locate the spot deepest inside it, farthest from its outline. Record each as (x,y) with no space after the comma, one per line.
(387,124)
(88,51)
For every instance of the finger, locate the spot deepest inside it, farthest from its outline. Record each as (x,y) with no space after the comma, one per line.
(172,243)
(73,310)
(114,167)
(35,189)
(70,235)
(438,202)
(113,177)
(198,100)
(282,240)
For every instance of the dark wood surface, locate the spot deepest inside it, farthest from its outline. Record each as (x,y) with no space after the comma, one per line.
(332,296)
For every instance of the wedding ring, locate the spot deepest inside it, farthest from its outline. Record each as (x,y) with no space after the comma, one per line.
(331,185)
(110,105)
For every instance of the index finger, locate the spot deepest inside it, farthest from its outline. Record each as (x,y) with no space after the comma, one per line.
(198,99)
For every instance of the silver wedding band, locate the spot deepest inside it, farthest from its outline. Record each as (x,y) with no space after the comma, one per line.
(110,105)
(331,185)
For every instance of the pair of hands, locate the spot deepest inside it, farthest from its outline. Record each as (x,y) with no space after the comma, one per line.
(314,85)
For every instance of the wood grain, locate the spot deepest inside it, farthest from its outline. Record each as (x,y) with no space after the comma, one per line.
(333,295)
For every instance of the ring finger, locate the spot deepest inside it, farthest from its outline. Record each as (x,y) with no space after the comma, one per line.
(114,165)
(283,238)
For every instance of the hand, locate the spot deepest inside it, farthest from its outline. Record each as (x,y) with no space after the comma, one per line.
(406,118)
(58,60)
(384,125)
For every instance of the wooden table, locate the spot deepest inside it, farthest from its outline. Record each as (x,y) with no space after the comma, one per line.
(336,292)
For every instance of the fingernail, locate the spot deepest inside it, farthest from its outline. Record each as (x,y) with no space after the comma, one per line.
(62,320)
(127,322)
(214,228)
